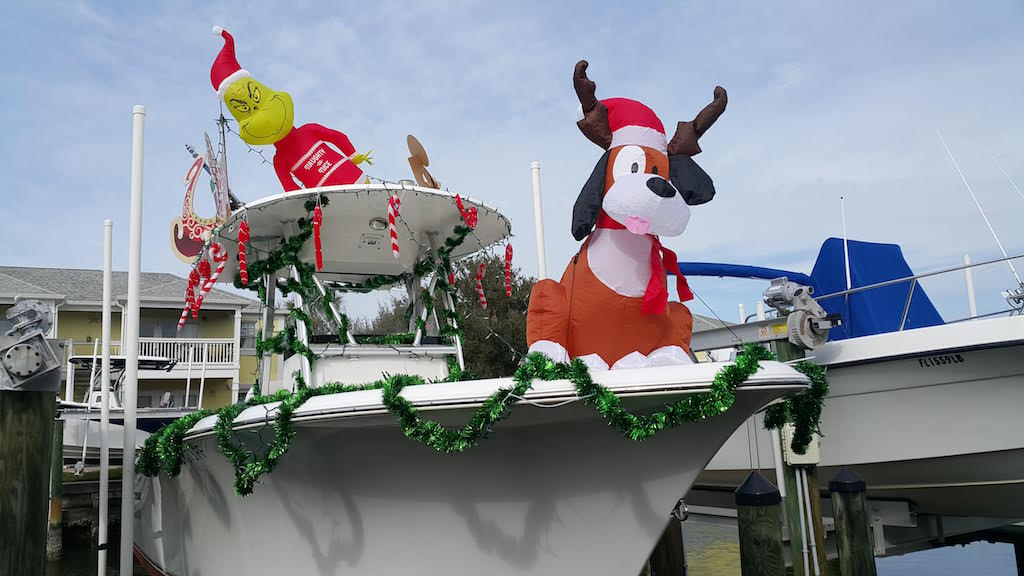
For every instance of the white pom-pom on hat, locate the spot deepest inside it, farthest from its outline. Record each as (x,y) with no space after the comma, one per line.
(217,30)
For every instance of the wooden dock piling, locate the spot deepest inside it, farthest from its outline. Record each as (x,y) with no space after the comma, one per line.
(850,509)
(667,558)
(26,437)
(55,528)
(759,517)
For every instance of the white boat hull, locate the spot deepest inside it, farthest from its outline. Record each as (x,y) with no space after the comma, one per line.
(931,416)
(552,491)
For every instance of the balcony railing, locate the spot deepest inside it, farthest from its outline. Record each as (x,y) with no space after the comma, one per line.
(213,352)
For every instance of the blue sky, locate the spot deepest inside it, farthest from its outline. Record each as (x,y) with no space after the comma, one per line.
(826,99)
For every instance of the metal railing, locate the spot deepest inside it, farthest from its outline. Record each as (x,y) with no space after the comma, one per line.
(212,351)
(914,280)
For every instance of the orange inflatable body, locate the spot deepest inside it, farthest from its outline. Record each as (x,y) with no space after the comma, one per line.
(587,317)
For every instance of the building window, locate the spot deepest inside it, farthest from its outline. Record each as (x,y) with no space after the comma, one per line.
(167,328)
(248,335)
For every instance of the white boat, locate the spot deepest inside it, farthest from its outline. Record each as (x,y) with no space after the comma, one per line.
(82,419)
(553,489)
(928,417)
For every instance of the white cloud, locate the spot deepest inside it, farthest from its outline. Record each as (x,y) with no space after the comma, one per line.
(826,99)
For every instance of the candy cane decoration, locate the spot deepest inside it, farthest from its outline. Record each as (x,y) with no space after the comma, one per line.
(189,298)
(202,273)
(220,256)
(318,220)
(394,203)
(469,216)
(243,238)
(185,311)
(508,270)
(480,285)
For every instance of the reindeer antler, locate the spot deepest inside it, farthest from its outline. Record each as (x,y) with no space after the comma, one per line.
(594,124)
(687,133)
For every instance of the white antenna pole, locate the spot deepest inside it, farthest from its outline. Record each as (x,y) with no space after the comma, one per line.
(130,345)
(972,305)
(101,555)
(1012,183)
(976,203)
(760,310)
(846,243)
(538,221)
(743,313)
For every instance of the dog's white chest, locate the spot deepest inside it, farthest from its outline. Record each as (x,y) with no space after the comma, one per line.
(621,260)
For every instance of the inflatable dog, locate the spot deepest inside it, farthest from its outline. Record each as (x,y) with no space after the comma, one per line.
(611,306)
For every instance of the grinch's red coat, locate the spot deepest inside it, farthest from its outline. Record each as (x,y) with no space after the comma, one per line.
(305,155)
(587,317)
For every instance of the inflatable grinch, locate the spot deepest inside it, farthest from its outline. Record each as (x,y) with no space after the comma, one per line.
(611,307)
(303,158)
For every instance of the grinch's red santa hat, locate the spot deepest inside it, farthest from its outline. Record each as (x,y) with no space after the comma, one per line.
(225,69)
(632,122)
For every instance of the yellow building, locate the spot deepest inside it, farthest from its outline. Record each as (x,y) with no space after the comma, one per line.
(215,356)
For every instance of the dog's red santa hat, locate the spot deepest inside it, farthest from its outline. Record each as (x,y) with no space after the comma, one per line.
(632,122)
(225,69)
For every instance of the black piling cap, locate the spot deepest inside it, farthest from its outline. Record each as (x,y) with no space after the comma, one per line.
(846,480)
(756,490)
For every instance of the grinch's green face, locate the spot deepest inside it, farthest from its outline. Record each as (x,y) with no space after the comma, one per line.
(264,115)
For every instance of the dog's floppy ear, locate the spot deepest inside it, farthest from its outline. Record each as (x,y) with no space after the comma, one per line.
(588,205)
(692,182)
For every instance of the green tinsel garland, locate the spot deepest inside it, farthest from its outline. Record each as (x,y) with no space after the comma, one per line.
(287,255)
(803,410)
(163,451)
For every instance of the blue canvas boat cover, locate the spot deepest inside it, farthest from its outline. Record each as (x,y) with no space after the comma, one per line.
(874,311)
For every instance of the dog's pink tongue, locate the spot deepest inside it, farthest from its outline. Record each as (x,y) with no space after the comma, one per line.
(637,225)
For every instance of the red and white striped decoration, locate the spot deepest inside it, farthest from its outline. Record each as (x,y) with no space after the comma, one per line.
(194,281)
(394,203)
(185,310)
(220,256)
(318,220)
(480,285)
(508,270)
(243,239)
(203,273)
(469,216)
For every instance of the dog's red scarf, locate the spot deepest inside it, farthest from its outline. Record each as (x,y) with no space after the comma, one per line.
(656,295)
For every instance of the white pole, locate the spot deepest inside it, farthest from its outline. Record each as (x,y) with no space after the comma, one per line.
(538,222)
(202,378)
(780,478)
(130,345)
(305,369)
(972,305)
(810,524)
(846,243)
(188,373)
(88,400)
(760,311)
(69,377)
(743,313)
(1012,183)
(101,556)
(976,203)
(803,531)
